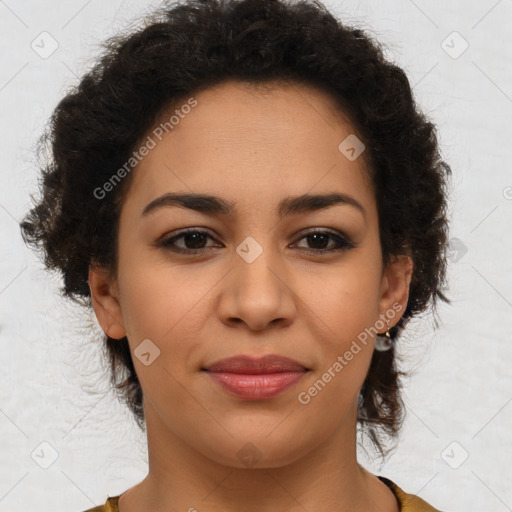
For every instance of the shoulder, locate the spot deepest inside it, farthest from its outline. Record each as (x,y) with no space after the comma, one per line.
(109,506)
(408,502)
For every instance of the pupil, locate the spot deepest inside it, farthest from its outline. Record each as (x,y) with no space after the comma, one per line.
(316,236)
(196,237)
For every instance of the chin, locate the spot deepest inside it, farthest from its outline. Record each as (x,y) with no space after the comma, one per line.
(258,449)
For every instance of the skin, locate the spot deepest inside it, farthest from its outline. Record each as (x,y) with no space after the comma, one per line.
(254,147)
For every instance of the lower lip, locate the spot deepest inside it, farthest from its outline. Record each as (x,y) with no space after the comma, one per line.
(256,387)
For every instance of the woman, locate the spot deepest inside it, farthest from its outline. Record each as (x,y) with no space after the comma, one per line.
(248,197)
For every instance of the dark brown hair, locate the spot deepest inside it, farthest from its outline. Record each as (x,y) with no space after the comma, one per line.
(188,46)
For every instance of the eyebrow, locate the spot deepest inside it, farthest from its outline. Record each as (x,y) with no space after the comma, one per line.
(209,204)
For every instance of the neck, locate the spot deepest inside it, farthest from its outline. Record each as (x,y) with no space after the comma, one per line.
(181,477)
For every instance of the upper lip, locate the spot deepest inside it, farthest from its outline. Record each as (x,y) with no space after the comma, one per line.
(256,365)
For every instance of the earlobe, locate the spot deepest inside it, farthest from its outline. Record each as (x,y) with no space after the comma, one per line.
(396,283)
(105,302)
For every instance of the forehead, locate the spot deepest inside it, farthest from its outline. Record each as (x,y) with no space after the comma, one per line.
(252,144)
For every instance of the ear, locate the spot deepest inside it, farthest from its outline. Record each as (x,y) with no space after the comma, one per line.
(105,301)
(396,279)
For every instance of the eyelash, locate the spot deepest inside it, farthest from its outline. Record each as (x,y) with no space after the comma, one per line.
(343,242)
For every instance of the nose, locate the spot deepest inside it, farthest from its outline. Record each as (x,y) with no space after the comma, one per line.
(258,293)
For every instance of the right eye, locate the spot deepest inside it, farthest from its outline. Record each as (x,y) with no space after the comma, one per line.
(194,240)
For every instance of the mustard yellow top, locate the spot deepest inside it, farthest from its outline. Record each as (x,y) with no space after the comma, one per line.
(407,502)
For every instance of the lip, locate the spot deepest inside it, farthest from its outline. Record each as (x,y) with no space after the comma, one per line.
(258,378)
(271,363)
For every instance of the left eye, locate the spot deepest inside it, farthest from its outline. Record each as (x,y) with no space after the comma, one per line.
(194,241)
(320,237)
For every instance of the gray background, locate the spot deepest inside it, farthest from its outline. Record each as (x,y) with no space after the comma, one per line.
(53,390)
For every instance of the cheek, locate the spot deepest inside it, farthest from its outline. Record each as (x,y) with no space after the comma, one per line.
(342,311)
(342,315)
(346,299)
(170,307)
(159,298)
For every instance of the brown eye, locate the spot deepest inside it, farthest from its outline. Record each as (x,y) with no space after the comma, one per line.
(193,240)
(318,242)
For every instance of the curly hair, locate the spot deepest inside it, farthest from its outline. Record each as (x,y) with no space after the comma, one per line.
(189,46)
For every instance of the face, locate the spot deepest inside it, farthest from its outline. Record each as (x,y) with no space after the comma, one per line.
(267,277)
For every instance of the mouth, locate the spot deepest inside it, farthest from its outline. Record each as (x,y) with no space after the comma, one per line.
(253,378)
